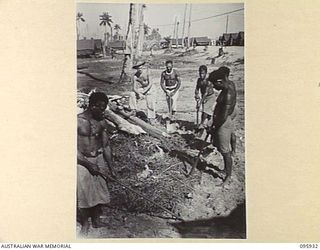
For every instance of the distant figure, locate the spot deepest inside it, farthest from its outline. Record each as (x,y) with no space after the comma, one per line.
(112,52)
(93,158)
(221,53)
(207,98)
(170,83)
(223,116)
(142,89)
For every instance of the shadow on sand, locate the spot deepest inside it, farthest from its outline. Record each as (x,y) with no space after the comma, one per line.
(232,226)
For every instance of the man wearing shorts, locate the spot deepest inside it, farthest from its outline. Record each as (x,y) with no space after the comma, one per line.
(142,89)
(170,83)
(223,116)
(208,96)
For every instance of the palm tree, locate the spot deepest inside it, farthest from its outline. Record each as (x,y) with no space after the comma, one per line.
(105,19)
(79,19)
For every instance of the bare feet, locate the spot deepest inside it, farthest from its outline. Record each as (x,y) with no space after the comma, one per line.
(84,229)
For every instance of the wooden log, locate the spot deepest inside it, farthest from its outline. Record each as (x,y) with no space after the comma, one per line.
(153,131)
(123,124)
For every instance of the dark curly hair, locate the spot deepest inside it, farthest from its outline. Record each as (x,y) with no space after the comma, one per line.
(96,97)
(225,71)
(203,68)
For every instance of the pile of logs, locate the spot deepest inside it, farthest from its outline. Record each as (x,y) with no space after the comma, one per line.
(123,120)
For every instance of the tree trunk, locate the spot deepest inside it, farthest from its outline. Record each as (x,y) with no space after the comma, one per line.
(126,71)
(111,32)
(141,32)
(104,45)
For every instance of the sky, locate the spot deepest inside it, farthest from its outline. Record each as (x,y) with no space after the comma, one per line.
(162,16)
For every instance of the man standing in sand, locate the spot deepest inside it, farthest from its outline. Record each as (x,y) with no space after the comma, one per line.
(207,98)
(170,83)
(223,116)
(142,89)
(94,154)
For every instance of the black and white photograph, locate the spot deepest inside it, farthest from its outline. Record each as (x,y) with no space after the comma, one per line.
(160,121)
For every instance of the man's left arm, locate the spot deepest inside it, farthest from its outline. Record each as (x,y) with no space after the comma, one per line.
(107,153)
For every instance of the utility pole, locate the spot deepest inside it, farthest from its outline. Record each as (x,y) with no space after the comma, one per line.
(133,31)
(87,31)
(189,26)
(174,30)
(184,24)
(177,37)
(227,23)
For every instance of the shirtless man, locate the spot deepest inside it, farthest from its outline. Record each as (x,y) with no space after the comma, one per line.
(94,154)
(142,89)
(170,83)
(207,98)
(223,116)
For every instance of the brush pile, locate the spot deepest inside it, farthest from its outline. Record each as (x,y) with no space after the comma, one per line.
(143,165)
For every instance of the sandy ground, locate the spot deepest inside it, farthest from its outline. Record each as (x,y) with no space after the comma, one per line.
(212,211)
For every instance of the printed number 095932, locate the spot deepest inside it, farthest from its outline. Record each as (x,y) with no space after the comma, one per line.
(308,246)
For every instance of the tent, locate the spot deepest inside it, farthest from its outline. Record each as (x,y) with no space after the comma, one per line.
(226,37)
(241,38)
(234,39)
(202,41)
